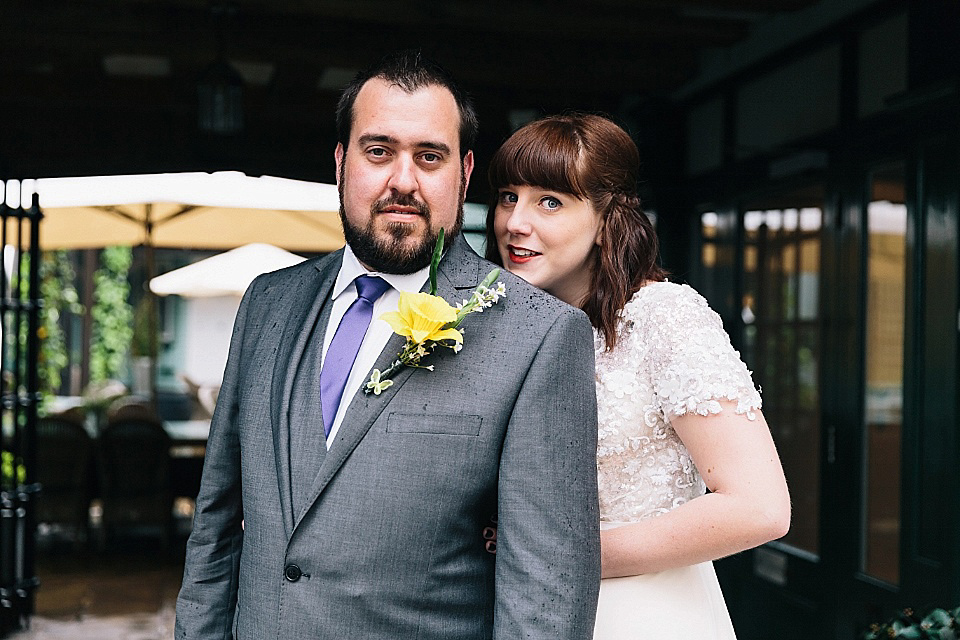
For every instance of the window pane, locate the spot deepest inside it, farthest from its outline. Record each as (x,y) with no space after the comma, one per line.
(883,402)
(808,299)
(708,224)
(793,101)
(717,253)
(782,339)
(788,262)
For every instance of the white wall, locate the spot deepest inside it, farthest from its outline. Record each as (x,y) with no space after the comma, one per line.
(208,325)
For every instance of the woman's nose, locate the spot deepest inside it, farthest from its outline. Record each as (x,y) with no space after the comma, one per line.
(518,222)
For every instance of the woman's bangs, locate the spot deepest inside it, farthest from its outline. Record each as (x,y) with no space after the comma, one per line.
(541,158)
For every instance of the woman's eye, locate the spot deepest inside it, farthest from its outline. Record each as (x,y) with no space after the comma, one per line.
(550,203)
(508,198)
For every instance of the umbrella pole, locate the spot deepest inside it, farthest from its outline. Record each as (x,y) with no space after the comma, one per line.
(151,309)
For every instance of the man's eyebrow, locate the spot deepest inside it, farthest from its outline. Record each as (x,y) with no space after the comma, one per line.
(436,146)
(376,137)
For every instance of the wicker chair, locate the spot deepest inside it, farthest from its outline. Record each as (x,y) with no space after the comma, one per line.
(127,407)
(135,477)
(64,469)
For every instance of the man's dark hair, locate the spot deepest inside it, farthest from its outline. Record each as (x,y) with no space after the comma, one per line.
(410,71)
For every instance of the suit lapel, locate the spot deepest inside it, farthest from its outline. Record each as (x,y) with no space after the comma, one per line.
(457,276)
(306,309)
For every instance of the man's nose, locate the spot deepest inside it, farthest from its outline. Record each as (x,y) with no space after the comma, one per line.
(403,178)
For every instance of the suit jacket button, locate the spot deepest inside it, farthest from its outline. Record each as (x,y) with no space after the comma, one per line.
(292,572)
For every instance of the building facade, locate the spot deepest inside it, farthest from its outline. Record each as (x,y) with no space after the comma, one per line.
(818,213)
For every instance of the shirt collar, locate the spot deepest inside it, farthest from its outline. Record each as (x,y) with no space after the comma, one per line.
(351,269)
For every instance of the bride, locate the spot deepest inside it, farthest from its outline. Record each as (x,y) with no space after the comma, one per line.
(678,412)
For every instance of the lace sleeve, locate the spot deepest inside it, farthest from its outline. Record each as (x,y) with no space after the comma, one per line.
(691,361)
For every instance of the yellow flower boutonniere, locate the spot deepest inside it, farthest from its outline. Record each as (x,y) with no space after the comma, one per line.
(422,317)
(428,321)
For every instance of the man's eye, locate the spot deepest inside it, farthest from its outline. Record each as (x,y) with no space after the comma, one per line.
(377,152)
(431,157)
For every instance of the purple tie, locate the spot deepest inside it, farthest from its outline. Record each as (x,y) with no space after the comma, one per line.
(345,344)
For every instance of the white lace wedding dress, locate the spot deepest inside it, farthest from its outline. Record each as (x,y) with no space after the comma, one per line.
(672,357)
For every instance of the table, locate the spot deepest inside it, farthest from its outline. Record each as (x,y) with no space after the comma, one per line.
(187,450)
(187,432)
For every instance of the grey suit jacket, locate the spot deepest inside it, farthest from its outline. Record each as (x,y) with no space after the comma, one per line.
(389,544)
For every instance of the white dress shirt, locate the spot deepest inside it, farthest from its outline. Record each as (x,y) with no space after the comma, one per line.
(343,294)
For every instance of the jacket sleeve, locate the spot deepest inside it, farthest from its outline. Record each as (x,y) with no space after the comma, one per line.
(548,540)
(208,595)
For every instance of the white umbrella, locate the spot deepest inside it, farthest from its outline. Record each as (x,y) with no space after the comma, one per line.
(213,287)
(225,274)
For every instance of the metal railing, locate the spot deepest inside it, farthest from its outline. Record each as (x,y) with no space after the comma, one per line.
(19,349)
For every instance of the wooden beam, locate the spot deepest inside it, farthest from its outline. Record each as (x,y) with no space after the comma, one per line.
(187,23)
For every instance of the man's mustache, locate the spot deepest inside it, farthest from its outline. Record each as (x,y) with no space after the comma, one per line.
(402,200)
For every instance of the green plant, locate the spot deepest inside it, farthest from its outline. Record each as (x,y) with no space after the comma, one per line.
(59,298)
(11,472)
(57,295)
(112,315)
(938,624)
(143,329)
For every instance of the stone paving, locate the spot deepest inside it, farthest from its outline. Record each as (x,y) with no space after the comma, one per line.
(125,627)
(125,592)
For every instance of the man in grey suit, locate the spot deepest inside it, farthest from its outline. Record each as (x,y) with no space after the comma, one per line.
(374,529)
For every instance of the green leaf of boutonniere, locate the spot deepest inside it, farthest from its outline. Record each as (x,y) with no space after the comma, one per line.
(435,261)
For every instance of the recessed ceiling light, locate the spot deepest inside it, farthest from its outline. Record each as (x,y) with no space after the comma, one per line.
(336,78)
(254,73)
(137,66)
(520,117)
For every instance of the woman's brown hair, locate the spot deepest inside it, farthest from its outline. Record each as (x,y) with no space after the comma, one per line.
(589,157)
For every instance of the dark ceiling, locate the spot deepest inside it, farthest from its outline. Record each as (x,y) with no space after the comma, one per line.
(110,86)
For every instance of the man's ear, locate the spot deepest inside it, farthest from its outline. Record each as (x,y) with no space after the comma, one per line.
(338,158)
(467,169)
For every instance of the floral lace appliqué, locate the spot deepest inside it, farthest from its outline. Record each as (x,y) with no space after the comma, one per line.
(673,357)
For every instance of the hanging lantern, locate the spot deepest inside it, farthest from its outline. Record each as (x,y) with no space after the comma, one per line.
(220,99)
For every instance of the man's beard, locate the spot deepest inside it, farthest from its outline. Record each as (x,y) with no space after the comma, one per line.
(387,253)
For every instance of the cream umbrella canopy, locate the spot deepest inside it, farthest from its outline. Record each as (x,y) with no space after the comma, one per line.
(220,210)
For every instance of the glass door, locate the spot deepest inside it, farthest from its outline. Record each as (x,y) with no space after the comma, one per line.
(781,341)
(814,287)
(884,335)
(841,295)
(761,268)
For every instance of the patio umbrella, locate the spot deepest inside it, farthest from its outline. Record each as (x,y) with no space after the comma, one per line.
(212,288)
(225,274)
(221,210)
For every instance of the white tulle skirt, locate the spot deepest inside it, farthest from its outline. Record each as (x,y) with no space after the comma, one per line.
(677,603)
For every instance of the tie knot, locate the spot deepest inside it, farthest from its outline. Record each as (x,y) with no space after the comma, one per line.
(371,287)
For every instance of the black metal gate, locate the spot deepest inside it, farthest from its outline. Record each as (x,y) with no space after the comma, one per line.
(19,344)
